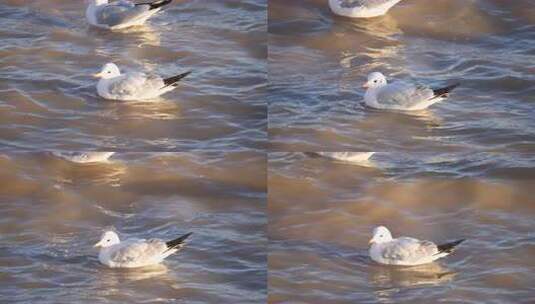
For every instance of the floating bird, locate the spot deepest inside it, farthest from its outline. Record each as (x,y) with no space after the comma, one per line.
(401,96)
(133,86)
(121,14)
(361,8)
(406,251)
(352,157)
(135,252)
(84,157)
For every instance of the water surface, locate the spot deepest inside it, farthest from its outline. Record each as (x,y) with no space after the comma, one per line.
(48,98)
(318,62)
(321,214)
(53,212)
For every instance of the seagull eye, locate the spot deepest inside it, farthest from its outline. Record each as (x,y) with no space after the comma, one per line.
(375,81)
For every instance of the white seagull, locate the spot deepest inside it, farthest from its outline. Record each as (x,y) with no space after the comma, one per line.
(121,14)
(406,251)
(135,252)
(401,96)
(361,8)
(84,157)
(354,157)
(133,86)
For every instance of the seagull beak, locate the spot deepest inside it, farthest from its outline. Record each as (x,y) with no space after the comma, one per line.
(371,242)
(366,85)
(97,244)
(97,75)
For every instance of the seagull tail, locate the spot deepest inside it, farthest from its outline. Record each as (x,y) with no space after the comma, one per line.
(443,92)
(178,242)
(156,4)
(449,247)
(173,80)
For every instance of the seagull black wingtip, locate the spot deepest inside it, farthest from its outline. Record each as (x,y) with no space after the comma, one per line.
(178,242)
(156,4)
(441,92)
(449,247)
(173,80)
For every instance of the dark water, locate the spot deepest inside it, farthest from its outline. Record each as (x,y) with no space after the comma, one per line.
(48,98)
(321,214)
(318,62)
(53,211)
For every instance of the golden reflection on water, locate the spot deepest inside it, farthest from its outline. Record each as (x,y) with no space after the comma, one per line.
(388,281)
(378,119)
(156,109)
(364,163)
(114,277)
(146,35)
(382,276)
(384,27)
(69,173)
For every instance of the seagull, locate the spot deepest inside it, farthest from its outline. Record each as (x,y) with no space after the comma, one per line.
(401,96)
(355,157)
(84,157)
(133,86)
(121,14)
(361,8)
(406,251)
(135,253)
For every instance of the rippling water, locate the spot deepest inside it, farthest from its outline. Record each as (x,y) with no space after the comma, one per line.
(48,98)
(464,168)
(317,63)
(53,211)
(321,214)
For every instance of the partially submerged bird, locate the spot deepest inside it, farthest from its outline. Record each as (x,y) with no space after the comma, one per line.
(121,14)
(352,157)
(134,253)
(406,251)
(361,8)
(84,157)
(401,96)
(134,85)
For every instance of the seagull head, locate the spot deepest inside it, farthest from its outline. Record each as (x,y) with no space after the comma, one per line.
(375,80)
(381,235)
(108,238)
(109,70)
